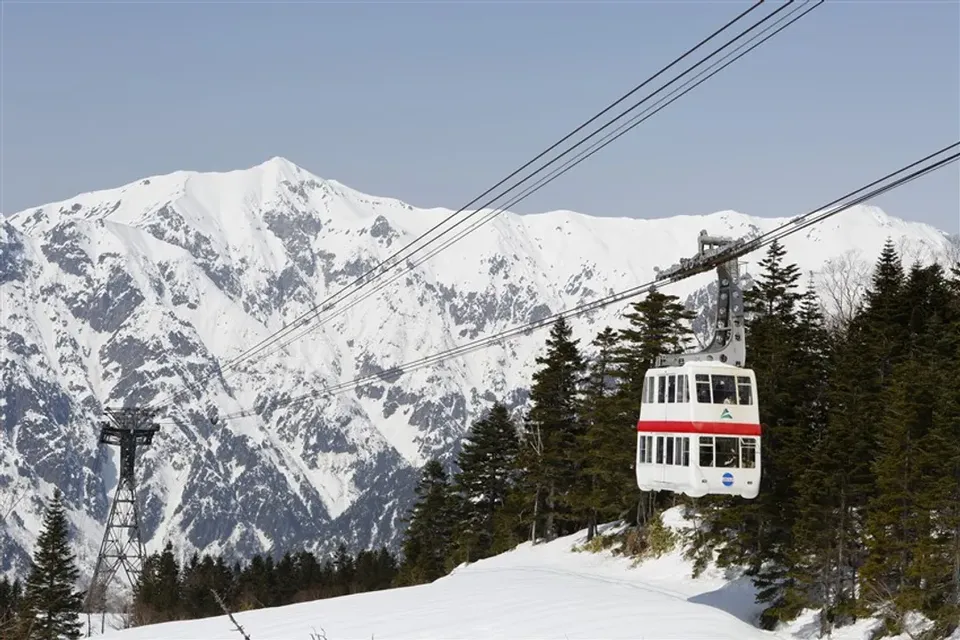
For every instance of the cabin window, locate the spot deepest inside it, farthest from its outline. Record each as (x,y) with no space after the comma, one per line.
(669,456)
(648,448)
(659,449)
(672,389)
(652,390)
(646,391)
(681,451)
(682,394)
(706,451)
(744,390)
(642,450)
(728,451)
(748,453)
(703,388)
(724,391)
(662,389)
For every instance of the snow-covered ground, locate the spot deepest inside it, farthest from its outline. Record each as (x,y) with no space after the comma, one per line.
(544,591)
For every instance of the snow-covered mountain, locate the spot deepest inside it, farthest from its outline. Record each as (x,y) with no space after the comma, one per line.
(131,295)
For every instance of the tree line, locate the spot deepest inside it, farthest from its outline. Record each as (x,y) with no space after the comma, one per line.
(48,605)
(204,586)
(859,506)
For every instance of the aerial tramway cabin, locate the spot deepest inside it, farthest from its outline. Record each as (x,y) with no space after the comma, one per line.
(699,431)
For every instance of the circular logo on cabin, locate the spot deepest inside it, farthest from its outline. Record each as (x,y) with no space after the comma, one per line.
(727,479)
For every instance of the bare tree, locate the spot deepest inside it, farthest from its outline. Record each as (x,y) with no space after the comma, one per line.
(226,610)
(536,444)
(920,252)
(11,504)
(917,252)
(951,255)
(842,283)
(124,605)
(889,610)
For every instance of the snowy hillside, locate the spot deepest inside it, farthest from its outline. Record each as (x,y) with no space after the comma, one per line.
(129,295)
(544,591)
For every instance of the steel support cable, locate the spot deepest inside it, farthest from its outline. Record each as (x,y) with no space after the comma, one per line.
(824,212)
(798,223)
(304,319)
(567,166)
(393,257)
(391,261)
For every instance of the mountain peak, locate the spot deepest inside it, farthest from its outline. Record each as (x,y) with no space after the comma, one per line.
(199,191)
(280,169)
(280,163)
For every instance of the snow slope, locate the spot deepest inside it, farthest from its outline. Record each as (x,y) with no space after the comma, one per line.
(543,591)
(129,295)
(534,591)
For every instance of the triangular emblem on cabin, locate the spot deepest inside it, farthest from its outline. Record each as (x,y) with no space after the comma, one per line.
(726,415)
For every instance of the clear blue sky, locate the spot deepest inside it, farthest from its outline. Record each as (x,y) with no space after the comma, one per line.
(434,102)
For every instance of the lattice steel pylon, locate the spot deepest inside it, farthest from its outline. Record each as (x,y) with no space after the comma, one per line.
(122,544)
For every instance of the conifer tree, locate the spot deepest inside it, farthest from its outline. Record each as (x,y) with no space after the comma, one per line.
(550,434)
(285,574)
(488,473)
(257,583)
(785,344)
(224,582)
(199,576)
(797,428)
(877,458)
(895,523)
(863,361)
(904,521)
(386,569)
(774,294)
(606,448)
(656,327)
(427,539)
(884,322)
(51,602)
(157,596)
(815,572)
(943,499)
(939,555)
(11,594)
(345,567)
(814,342)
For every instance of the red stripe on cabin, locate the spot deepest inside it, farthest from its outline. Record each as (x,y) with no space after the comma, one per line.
(712,428)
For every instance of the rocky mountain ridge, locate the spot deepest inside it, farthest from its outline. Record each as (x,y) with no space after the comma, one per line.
(134,295)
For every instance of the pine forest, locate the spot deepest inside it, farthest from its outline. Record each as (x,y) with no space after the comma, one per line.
(859,507)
